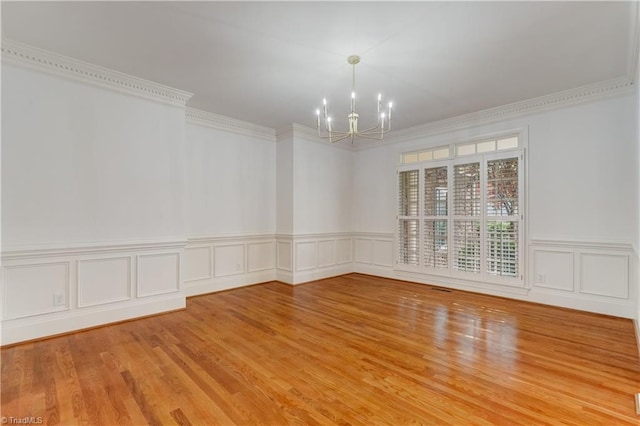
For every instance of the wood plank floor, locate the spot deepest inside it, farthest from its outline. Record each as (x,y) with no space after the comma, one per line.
(353,350)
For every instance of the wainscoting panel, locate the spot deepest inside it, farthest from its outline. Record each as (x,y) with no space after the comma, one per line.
(229,259)
(315,256)
(103,281)
(344,251)
(216,263)
(306,256)
(285,256)
(48,291)
(604,274)
(31,289)
(374,254)
(326,253)
(198,263)
(553,269)
(364,250)
(596,276)
(158,274)
(261,256)
(382,253)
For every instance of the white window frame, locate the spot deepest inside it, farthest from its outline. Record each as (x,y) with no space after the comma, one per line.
(483,158)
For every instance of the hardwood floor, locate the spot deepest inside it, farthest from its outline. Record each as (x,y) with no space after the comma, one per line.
(348,350)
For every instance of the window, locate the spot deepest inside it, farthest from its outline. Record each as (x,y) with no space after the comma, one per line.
(462,216)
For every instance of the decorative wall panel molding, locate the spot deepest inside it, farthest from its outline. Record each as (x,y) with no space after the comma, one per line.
(158,273)
(553,269)
(52,63)
(591,275)
(104,280)
(306,255)
(228,259)
(326,253)
(374,248)
(221,122)
(198,263)
(221,262)
(260,256)
(285,255)
(344,250)
(62,289)
(604,274)
(30,289)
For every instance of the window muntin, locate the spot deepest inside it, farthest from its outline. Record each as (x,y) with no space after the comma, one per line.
(469,218)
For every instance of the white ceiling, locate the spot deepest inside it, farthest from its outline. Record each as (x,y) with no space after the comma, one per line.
(271,63)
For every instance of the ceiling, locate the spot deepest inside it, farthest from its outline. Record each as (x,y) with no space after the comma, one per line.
(271,63)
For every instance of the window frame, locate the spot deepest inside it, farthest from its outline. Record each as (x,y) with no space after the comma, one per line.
(484,218)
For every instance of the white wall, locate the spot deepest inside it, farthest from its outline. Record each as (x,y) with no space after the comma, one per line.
(284,183)
(231,197)
(582,205)
(314,200)
(581,172)
(87,165)
(322,194)
(231,183)
(93,215)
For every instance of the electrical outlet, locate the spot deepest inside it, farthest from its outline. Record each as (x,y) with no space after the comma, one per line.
(58,299)
(540,278)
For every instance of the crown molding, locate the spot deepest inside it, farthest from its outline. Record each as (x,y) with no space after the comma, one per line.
(579,95)
(15,53)
(221,122)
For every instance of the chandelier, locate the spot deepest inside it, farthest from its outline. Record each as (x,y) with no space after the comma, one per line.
(377,132)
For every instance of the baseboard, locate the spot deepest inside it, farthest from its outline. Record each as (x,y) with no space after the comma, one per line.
(302,277)
(227,283)
(25,329)
(599,305)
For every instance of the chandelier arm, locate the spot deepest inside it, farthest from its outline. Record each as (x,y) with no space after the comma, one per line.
(377,126)
(340,138)
(371,137)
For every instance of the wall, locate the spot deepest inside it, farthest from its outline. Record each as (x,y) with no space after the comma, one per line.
(93,220)
(582,205)
(231,195)
(317,205)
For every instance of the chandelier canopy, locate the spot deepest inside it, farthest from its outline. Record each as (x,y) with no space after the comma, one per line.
(377,132)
